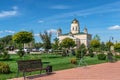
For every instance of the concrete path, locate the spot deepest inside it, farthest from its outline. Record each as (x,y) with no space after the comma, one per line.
(105,71)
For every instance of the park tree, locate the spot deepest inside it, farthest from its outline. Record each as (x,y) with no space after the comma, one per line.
(81,51)
(56,45)
(95,44)
(37,45)
(22,37)
(109,44)
(46,39)
(1,47)
(117,47)
(102,46)
(67,43)
(7,40)
(97,37)
(3,53)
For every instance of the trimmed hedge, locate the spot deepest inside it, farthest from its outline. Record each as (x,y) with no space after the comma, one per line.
(73,61)
(101,56)
(4,68)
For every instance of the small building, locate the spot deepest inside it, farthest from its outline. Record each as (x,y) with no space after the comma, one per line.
(75,34)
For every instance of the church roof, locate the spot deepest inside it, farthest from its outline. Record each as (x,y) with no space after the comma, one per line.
(59,29)
(75,21)
(74,34)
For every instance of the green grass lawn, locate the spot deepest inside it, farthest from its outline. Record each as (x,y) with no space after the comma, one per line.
(57,61)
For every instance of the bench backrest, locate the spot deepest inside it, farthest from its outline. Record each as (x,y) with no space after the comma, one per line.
(29,64)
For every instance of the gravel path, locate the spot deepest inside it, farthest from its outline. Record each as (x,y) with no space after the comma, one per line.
(105,71)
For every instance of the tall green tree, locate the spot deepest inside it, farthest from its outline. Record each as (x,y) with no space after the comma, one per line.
(117,47)
(103,46)
(1,46)
(38,45)
(67,43)
(109,44)
(95,44)
(23,37)
(7,40)
(81,51)
(55,45)
(46,39)
(97,37)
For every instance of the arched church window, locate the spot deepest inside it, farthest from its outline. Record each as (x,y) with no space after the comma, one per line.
(73,29)
(76,28)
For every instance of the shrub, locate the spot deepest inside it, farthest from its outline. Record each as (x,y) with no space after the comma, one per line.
(91,54)
(101,56)
(0,55)
(80,53)
(21,53)
(73,61)
(4,68)
(117,47)
(5,55)
(117,56)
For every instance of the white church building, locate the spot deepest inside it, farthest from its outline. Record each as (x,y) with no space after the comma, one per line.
(75,34)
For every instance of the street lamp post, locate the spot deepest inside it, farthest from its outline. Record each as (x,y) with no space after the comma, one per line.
(110,41)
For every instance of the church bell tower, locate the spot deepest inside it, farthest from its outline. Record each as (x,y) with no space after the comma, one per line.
(75,26)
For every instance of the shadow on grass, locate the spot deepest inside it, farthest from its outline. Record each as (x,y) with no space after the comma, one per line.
(7,59)
(52,56)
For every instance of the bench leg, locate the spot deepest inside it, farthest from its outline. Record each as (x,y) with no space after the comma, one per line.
(24,75)
(49,69)
(17,73)
(40,71)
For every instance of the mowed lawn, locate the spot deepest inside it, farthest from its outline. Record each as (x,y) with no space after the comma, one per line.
(57,61)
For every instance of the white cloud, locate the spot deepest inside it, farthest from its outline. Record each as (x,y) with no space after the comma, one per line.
(59,7)
(9,12)
(9,31)
(36,34)
(40,21)
(54,31)
(15,7)
(116,27)
(108,8)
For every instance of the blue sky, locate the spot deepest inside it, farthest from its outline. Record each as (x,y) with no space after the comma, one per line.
(101,17)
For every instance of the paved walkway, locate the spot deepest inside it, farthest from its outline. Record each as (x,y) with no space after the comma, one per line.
(105,71)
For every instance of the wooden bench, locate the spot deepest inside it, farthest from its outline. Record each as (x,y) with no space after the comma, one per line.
(31,65)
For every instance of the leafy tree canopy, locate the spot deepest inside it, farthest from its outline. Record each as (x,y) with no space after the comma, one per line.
(67,43)
(117,47)
(109,44)
(23,37)
(46,39)
(97,37)
(56,45)
(103,46)
(7,40)
(38,45)
(95,43)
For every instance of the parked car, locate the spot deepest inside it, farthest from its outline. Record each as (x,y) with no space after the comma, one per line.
(27,50)
(50,50)
(35,50)
(10,48)
(42,50)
